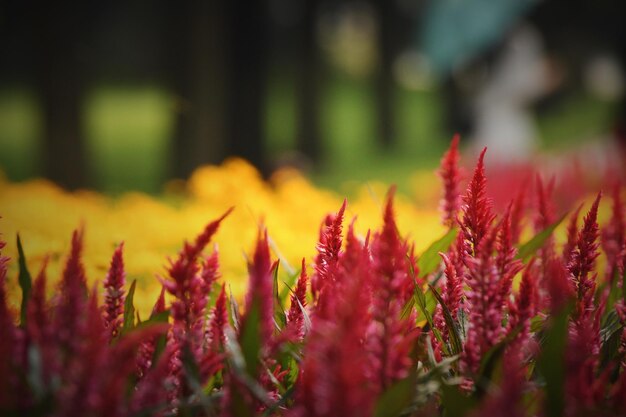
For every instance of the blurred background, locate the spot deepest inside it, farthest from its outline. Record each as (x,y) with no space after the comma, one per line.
(128,95)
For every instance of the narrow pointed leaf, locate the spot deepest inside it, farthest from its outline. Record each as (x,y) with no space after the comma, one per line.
(551,363)
(528,249)
(430,259)
(24,280)
(451,324)
(396,398)
(250,339)
(129,309)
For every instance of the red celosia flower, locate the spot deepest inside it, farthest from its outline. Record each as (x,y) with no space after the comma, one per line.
(71,302)
(390,337)
(189,289)
(328,250)
(295,316)
(572,237)
(218,322)
(152,390)
(477,209)
(523,310)
(259,295)
(508,266)
(560,288)
(450,174)
(583,262)
(146,350)
(114,293)
(453,294)
(333,380)
(545,214)
(485,303)
(211,270)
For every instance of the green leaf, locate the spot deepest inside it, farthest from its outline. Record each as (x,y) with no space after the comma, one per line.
(430,259)
(234,312)
(527,250)
(455,403)
(551,363)
(279,312)
(289,284)
(24,280)
(250,339)
(396,398)
(537,323)
(129,309)
(423,305)
(489,363)
(451,324)
(161,317)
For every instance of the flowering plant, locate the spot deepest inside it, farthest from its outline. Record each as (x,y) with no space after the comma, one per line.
(477,324)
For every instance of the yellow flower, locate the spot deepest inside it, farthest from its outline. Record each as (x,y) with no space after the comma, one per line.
(153,229)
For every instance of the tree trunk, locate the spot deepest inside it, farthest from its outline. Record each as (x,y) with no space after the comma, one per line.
(385,10)
(308,84)
(195,66)
(247,67)
(60,80)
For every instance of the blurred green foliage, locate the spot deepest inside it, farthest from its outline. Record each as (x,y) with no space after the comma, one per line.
(128,131)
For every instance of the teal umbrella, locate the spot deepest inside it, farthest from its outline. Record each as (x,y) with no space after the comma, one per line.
(456,30)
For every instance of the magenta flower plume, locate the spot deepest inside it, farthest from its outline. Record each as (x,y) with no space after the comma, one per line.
(389,256)
(560,287)
(295,316)
(79,394)
(188,286)
(545,214)
(211,270)
(38,324)
(583,262)
(114,293)
(477,208)
(450,174)
(333,380)
(328,251)
(572,237)
(146,350)
(453,294)
(218,322)
(390,338)
(523,310)
(259,295)
(485,303)
(71,301)
(508,266)
(152,390)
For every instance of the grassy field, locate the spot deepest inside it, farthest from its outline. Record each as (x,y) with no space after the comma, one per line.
(128,131)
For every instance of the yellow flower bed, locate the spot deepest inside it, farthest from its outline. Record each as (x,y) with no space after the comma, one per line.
(153,229)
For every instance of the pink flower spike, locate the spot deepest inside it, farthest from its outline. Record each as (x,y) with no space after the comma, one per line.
(114,293)
(259,294)
(218,322)
(450,175)
(572,236)
(583,261)
(477,208)
(328,251)
(298,302)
